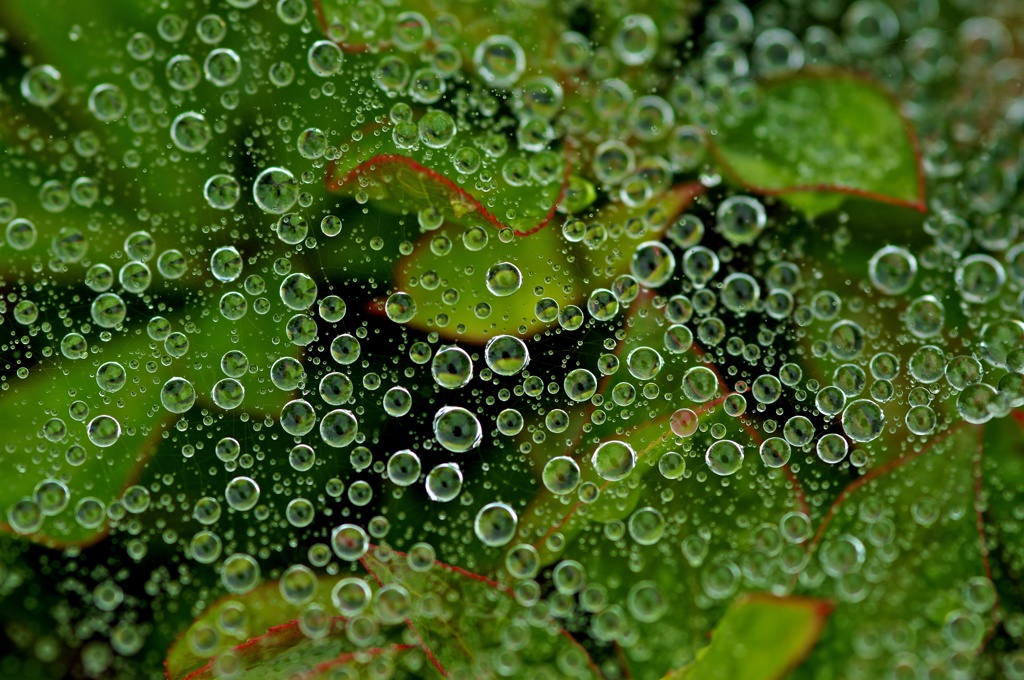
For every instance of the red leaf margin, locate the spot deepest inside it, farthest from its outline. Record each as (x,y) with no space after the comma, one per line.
(293,634)
(381,162)
(465,573)
(895,464)
(699,352)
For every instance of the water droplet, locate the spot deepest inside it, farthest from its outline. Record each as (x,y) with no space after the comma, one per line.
(104,431)
(222,67)
(503,279)
(404,468)
(177,395)
(240,573)
(351,596)
(979,278)
(297,417)
(222,191)
(400,307)
(338,428)
(741,219)
(652,264)
(892,270)
(863,420)
(108,310)
(495,524)
(21,234)
(444,482)
(190,132)
(42,85)
(107,102)
(349,542)
(456,429)
(646,526)
(561,475)
(452,367)
(724,457)
(242,493)
(298,291)
(275,190)
(499,60)
(506,355)
(325,58)
(613,460)
(111,376)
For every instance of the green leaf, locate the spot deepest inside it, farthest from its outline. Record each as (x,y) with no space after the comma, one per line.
(761,637)
(818,136)
(455,619)
(103,473)
(269,622)
(649,436)
(550,267)
(903,537)
(474,617)
(716,520)
(541,260)
(421,178)
(475,22)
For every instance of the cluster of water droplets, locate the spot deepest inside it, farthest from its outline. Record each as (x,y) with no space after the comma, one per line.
(249,328)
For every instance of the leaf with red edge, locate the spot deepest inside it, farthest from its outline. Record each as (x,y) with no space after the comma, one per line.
(454,621)
(628,527)
(550,266)
(650,436)
(818,136)
(406,183)
(905,537)
(286,652)
(462,619)
(761,637)
(260,633)
(268,621)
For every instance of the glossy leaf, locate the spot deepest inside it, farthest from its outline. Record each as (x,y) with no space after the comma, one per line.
(269,621)
(474,21)
(279,649)
(631,521)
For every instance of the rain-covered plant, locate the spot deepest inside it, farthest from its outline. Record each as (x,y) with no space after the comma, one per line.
(511,339)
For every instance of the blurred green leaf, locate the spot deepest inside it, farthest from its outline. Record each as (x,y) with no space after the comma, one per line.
(268,632)
(761,637)
(473,21)
(454,618)
(819,135)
